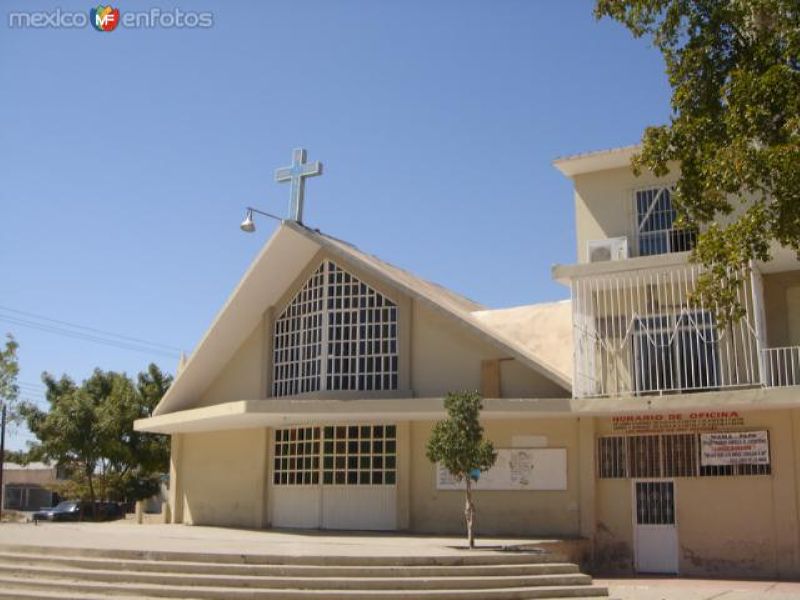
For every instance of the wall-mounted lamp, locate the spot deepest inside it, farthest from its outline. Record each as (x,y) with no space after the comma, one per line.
(248,225)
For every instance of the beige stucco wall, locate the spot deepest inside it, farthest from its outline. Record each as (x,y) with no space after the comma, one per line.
(604,204)
(782,308)
(242,377)
(221,478)
(498,512)
(743,526)
(46,476)
(447,357)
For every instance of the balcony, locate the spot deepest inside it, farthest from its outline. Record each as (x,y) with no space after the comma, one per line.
(639,332)
(781,366)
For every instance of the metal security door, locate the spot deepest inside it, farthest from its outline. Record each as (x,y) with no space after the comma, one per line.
(655,527)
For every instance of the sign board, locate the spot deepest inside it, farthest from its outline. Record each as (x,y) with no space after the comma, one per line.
(516,469)
(734,448)
(665,423)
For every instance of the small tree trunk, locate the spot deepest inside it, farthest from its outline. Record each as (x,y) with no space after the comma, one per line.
(469,515)
(91,493)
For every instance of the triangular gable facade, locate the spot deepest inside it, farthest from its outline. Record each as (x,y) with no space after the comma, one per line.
(233,346)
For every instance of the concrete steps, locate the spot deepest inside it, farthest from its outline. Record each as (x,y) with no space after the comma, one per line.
(86,574)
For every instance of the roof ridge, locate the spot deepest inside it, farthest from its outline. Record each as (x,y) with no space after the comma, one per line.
(375,257)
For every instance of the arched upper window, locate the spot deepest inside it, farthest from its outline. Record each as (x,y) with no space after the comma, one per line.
(337,333)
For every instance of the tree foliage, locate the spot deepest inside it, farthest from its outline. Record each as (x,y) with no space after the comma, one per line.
(9,370)
(88,429)
(734,69)
(457,443)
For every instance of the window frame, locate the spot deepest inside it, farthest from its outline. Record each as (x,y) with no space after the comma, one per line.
(652,241)
(355,455)
(358,347)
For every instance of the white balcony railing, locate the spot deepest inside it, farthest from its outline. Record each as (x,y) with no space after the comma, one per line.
(664,241)
(781,366)
(641,332)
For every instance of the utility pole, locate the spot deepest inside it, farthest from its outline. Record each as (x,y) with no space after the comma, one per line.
(2,458)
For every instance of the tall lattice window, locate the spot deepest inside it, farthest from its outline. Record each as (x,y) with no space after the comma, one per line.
(337,333)
(298,340)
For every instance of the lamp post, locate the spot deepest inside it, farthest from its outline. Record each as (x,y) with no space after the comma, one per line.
(2,458)
(248,226)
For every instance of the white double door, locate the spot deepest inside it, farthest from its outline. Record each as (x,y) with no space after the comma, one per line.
(655,526)
(334,477)
(335,507)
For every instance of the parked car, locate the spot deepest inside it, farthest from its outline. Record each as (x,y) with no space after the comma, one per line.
(109,511)
(69,510)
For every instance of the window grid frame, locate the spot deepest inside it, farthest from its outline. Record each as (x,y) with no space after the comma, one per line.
(342,331)
(298,340)
(290,444)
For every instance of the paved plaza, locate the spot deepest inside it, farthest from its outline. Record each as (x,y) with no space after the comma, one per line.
(127,535)
(699,589)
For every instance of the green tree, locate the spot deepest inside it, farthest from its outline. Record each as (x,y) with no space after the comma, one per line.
(734,69)
(9,370)
(457,443)
(89,430)
(19,457)
(70,433)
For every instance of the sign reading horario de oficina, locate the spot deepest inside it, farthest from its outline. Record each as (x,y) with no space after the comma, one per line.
(690,421)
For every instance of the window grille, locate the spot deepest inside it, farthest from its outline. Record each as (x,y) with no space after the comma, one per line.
(655,224)
(296,456)
(612,458)
(655,503)
(362,335)
(645,456)
(336,455)
(661,455)
(360,455)
(681,455)
(298,340)
(337,333)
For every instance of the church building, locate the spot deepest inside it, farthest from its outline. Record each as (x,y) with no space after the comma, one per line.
(626,416)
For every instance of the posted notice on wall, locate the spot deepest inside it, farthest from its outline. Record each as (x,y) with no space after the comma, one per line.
(734,448)
(516,469)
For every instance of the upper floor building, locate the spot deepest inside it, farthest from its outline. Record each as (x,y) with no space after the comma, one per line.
(638,329)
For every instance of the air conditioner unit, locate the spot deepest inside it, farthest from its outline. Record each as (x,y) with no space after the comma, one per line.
(605,250)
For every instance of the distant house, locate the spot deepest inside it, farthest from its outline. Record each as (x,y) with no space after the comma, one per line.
(25,487)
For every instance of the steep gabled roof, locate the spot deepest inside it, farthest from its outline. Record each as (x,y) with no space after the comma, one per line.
(287,252)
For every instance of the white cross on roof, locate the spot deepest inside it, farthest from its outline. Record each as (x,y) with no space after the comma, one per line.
(296,174)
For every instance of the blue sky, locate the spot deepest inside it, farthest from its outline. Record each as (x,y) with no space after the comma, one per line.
(126,158)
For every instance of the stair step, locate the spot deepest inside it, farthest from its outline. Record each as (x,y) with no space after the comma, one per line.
(300,583)
(66,588)
(159,566)
(476,557)
(22,594)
